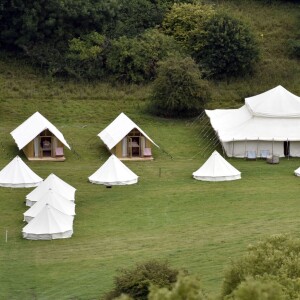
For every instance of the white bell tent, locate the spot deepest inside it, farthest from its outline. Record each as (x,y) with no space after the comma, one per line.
(49,224)
(17,174)
(216,168)
(267,123)
(113,172)
(56,184)
(53,198)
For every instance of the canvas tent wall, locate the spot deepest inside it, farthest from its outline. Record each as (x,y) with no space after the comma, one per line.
(40,139)
(216,168)
(113,172)
(17,174)
(49,224)
(127,140)
(54,183)
(267,122)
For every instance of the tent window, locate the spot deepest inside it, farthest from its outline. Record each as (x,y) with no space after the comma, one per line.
(286,148)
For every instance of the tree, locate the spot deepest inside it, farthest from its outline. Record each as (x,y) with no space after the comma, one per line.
(276,259)
(136,282)
(225,47)
(135,59)
(184,19)
(178,90)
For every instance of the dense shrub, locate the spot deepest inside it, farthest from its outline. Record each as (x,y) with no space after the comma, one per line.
(135,59)
(225,47)
(184,19)
(185,288)
(258,289)
(276,259)
(135,16)
(136,282)
(86,56)
(24,23)
(178,90)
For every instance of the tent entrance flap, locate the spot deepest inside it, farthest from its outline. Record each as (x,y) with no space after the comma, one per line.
(286,148)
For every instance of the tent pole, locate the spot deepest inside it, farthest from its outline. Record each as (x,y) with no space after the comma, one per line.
(245,147)
(272,146)
(232,148)
(288,148)
(257,146)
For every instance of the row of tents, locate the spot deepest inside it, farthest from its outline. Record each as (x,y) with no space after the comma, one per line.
(51,210)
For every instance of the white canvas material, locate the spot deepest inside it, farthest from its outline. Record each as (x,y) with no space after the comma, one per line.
(263,123)
(216,168)
(297,172)
(56,184)
(118,129)
(49,224)
(113,172)
(55,200)
(32,127)
(17,174)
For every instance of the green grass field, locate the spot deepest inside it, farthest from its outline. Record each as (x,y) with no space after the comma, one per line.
(198,226)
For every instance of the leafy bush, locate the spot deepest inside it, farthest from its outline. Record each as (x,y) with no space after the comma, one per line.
(136,282)
(86,56)
(258,289)
(135,59)
(225,47)
(186,287)
(277,259)
(186,18)
(135,16)
(178,90)
(24,23)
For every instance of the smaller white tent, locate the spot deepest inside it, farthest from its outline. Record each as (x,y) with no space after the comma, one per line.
(56,184)
(49,224)
(216,168)
(55,200)
(17,174)
(113,172)
(297,172)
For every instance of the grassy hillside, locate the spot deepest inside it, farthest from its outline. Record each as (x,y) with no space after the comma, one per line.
(196,225)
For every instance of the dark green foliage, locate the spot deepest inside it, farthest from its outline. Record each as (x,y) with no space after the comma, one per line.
(225,47)
(25,22)
(185,288)
(135,16)
(136,282)
(135,59)
(276,259)
(86,56)
(178,90)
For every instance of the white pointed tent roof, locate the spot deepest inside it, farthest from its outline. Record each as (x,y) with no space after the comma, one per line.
(113,172)
(49,224)
(118,129)
(270,116)
(51,182)
(277,102)
(216,168)
(55,200)
(17,174)
(32,127)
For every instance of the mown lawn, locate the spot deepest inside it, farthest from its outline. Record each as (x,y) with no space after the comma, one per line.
(198,226)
